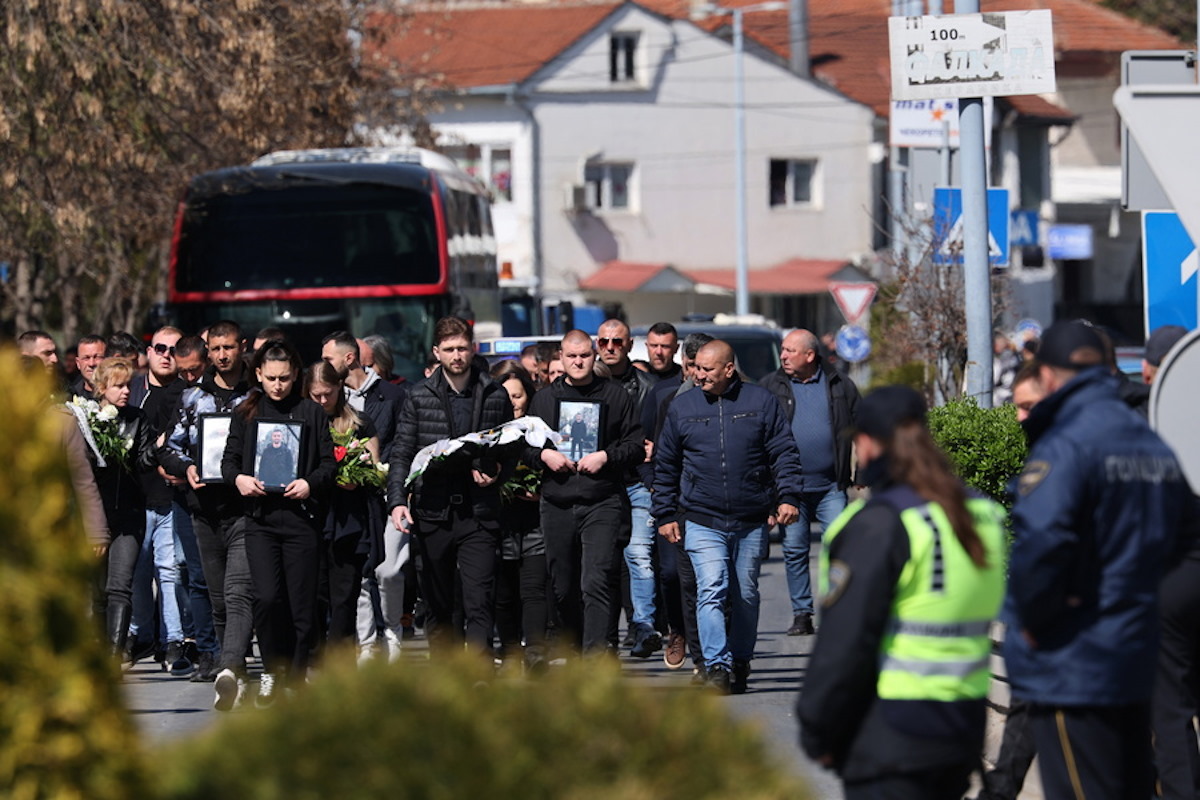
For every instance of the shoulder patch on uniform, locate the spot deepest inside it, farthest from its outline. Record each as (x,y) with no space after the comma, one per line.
(1034,473)
(839,577)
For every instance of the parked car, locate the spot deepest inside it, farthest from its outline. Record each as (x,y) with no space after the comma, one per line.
(755,346)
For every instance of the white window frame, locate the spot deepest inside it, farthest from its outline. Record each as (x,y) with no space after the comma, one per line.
(789,197)
(484,164)
(598,183)
(624,58)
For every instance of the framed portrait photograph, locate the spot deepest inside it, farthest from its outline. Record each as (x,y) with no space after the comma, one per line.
(277,452)
(580,423)
(213,430)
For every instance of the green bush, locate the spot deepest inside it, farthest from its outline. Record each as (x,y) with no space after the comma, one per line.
(910,373)
(448,731)
(64,732)
(987,446)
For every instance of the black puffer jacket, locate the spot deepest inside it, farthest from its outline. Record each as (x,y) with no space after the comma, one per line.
(425,418)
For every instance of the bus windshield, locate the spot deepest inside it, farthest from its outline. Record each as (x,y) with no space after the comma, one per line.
(308,235)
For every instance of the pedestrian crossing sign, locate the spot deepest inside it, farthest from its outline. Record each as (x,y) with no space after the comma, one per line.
(948,226)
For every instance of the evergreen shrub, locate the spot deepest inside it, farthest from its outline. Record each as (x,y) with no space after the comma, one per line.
(64,732)
(986,446)
(450,730)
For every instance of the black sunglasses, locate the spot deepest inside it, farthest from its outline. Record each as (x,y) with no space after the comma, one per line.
(618,341)
(163,349)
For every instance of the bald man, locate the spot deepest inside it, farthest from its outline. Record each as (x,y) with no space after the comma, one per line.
(584,504)
(820,403)
(724,463)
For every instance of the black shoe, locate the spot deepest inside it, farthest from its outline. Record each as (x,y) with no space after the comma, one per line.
(630,637)
(801,626)
(646,642)
(739,677)
(206,669)
(699,675)
(176,662)
(719,679)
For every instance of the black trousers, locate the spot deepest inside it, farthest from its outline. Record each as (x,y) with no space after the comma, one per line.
(458,546)
(582,552)
(687,593)
(521,605)
(222,544)
(945,783)
(1176,754)
(344,576)
(284,551)
(1004,781)
(1097,752)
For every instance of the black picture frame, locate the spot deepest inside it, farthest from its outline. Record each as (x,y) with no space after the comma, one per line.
(212,431)
(579,442)
(274,468)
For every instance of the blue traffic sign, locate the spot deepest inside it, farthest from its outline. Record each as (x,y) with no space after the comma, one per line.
(853,343)
(1024,227)
(948,226)
(1170,264)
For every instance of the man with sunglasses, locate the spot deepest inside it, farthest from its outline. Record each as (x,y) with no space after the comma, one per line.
(613,343)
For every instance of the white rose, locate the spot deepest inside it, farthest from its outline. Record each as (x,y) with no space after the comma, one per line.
(108,413)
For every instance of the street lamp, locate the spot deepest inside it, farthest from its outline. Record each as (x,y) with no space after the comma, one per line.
(742,291)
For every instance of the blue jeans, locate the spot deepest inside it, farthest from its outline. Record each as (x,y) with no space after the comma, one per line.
(824,507)
(642,582)
(157,560)
(193,595)
(727,564)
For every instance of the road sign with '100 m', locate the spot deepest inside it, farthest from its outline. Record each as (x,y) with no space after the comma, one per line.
(971,55)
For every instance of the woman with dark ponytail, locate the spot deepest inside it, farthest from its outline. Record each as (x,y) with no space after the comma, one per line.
(283,530)
(895,695)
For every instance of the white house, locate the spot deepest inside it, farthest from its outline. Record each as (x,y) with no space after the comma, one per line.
(607,133)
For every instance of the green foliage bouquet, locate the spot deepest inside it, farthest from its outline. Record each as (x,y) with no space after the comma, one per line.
(102,431)
(355,464)
(525,483)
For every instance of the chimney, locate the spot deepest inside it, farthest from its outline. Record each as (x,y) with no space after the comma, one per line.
(799,60)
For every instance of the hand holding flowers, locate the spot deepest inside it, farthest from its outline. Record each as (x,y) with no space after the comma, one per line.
(356,466)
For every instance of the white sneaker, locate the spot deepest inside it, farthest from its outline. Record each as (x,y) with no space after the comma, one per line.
(392,643)
(365,653)
(228,690)
(266,691)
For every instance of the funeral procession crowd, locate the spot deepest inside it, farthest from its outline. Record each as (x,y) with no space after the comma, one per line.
(237,492)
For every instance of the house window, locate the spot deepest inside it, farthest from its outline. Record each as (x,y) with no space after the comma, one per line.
(622,52)
(608,186)
(492,165)
(793,182)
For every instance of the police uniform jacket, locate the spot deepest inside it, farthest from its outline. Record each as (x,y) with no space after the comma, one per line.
(839,708)
(1098,512)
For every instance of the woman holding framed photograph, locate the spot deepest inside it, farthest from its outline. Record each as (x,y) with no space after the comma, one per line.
(283,528)
(354,525)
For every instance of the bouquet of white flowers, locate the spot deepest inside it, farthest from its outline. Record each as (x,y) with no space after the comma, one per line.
(102,431)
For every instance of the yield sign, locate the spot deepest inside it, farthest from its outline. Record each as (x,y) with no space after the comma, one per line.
(852,298)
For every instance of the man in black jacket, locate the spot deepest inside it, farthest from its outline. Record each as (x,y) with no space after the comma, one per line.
(452,507)
(370,395)
(821,405)
(584,503)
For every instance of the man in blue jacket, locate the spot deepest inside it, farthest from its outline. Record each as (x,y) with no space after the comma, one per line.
(1099,508)
(725,461)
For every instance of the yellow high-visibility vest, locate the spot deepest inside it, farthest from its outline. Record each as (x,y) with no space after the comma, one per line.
(936,646)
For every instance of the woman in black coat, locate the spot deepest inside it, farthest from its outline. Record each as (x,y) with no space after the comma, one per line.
(283,529)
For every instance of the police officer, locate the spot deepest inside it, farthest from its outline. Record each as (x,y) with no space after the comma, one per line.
(895,695)
(1097,515)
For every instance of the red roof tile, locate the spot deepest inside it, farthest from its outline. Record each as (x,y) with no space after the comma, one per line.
(621,276)
(469,45)
(795,276)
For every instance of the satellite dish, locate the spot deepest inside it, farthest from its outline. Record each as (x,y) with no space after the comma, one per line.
(1173,404)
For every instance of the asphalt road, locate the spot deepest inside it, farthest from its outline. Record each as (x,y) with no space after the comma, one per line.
(169,708)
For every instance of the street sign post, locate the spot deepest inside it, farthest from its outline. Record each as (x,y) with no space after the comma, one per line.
(971,55)
(1171,263)
(948,226)
(853,299)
